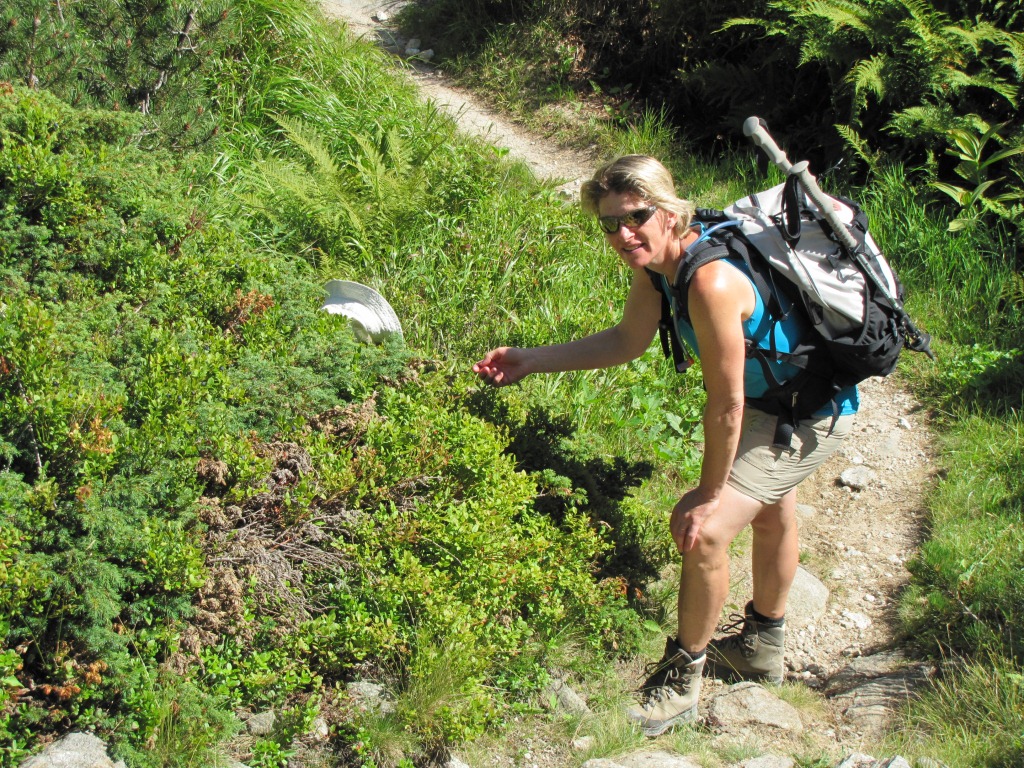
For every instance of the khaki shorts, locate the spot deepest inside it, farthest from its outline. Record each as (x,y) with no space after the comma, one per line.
(766,473)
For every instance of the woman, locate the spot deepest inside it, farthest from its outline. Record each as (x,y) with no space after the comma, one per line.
(743,480)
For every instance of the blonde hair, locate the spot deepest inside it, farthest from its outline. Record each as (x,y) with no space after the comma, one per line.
(642,176)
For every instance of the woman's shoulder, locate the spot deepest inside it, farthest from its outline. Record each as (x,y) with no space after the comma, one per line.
(721,282)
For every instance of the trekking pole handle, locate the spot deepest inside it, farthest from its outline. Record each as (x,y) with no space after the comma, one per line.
(825,204)
(757,130)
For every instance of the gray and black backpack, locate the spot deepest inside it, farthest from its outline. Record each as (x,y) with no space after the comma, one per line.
(850,297)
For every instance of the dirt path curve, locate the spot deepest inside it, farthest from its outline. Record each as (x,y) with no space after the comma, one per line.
(544,159)
(860,514)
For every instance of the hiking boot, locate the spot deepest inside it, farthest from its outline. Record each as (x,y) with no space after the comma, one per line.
(755,652)
(669,695)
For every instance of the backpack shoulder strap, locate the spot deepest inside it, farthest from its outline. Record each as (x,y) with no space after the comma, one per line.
(712,245)
(671,346)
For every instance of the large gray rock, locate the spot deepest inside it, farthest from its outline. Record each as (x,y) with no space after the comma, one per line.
(871,688)
(808,597)
(76,750)
(744,706)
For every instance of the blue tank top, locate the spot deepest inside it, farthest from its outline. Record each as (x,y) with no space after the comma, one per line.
(757,329)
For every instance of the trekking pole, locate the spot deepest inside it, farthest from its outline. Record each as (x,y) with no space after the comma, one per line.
(757,130)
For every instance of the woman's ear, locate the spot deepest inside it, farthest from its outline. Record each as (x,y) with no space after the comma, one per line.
(671,219)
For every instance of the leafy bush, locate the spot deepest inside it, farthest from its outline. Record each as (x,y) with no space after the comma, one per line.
(129,329)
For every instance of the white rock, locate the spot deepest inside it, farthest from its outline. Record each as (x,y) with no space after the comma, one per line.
(858,620)
(857,478)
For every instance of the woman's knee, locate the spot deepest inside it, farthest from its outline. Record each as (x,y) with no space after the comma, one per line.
(776,519)
(712,543)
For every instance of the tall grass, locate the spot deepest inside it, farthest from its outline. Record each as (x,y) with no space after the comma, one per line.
(966,284)
(972,716)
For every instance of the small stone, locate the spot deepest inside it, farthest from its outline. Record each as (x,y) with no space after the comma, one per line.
(805,511)
(768,761)
(321,731)
(857,760)
(567,699)
(857,478)
(583,743)
(905,424)
(261,724)
(858,620)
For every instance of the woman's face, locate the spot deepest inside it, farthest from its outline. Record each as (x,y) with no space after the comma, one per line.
(640,245)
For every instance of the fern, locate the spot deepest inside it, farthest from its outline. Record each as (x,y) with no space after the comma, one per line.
(310,144)
(903,54)
(867,76)
(860,146)
(837,14)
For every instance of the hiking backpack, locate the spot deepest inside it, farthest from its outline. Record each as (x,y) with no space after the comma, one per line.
(851,298)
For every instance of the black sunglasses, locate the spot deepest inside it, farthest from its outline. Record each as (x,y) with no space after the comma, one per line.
(610,224)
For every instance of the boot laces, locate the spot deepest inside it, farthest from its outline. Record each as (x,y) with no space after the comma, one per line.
(738,637)
(663,679)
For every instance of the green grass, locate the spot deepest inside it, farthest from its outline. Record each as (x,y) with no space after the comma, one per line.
(973,716)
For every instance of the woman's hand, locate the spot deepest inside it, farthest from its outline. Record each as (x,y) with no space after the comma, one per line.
(688,516)
(503,366)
